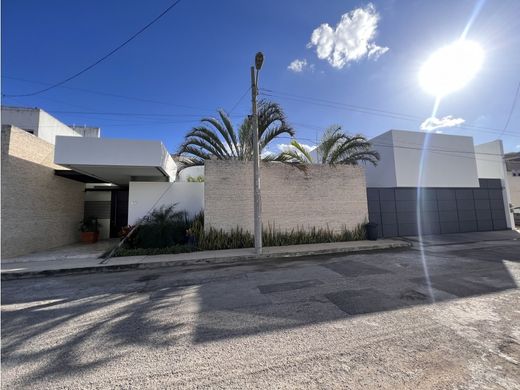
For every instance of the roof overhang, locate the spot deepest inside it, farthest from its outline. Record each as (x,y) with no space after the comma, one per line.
(117,161)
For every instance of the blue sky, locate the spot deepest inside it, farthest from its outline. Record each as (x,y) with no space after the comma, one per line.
(196,59)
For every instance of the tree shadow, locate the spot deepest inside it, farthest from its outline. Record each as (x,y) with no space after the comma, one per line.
(53,328)
(115,320)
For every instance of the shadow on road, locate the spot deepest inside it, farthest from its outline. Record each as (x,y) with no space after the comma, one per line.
(50,322)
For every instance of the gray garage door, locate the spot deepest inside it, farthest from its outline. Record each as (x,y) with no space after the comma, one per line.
(442,210)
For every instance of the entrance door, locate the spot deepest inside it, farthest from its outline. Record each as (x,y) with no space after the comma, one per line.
(118,212)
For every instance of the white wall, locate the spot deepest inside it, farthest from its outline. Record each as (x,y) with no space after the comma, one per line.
(116,160)
(434,160)
(419,159)
(49,127)
(491,165)
(87,131)
(382,175)
(37,121)
(490,160)
(513,184)
(144,196)
(23,118)
(191,171)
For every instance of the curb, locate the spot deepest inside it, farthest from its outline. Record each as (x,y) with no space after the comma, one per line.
(222,261)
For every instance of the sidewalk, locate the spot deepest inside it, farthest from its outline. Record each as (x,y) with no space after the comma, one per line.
(64,266)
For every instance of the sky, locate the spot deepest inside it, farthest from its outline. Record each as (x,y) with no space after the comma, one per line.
(351,63)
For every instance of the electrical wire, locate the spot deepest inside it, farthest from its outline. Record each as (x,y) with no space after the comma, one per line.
(238,101)
(512,109)
(110,53)
(101,93)
(368,110)
(412,146)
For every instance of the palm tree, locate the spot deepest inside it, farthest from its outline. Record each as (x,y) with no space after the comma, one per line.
(218,138)
(335,147)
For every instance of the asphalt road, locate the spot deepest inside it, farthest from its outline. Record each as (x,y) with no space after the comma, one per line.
(372,320)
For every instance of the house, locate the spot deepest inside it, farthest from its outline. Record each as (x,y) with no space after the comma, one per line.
(43,125)
(436,183)
(54,175)
(40,210)
(513,176)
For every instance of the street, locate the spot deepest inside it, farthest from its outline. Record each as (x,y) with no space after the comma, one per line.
(399,319)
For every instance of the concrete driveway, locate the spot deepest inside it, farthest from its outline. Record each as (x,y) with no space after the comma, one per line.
(375,320)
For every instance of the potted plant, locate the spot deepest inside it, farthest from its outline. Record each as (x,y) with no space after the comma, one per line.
(89,229)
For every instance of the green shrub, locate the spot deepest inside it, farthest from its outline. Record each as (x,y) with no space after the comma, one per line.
(163,227)
(166,231)
(195,179)
(214,239)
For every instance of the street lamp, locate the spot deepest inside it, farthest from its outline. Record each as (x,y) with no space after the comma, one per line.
(259,59)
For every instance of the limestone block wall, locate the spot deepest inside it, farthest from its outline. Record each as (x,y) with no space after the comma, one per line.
(323,196)
(39,210)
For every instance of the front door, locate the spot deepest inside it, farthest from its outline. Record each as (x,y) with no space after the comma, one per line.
(118,212)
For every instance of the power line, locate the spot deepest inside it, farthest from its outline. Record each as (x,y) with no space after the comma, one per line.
(113,51)
(412,146)
(239,100)
(101,93)
(339,103)
(368,110)
(375,112)
(512,109)
(127,114)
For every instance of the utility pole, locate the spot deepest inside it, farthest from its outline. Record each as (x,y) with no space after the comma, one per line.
(259,59)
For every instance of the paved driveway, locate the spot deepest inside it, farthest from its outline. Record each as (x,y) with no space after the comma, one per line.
(374,320)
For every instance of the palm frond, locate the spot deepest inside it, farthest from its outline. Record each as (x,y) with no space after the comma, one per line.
(203,144)
(209,136)
(232,141)
(329,142)
(223,132)
(273,132)
(220,139)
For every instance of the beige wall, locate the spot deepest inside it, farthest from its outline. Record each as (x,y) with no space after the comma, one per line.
(39,210)
(324,196)
(513,183)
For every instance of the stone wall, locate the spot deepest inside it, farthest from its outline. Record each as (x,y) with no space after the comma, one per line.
(323,196)
(39,210)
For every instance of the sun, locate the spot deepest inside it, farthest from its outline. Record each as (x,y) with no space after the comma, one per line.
(451,67)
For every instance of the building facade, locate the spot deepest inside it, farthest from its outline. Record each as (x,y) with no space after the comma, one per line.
(54,175)
(436,183)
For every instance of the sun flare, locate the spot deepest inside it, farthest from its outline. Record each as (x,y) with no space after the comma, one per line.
(451,67)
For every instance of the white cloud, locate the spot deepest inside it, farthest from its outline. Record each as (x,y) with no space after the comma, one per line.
(289,147)
(297,65)
(433,123)
(351,40)
(518,146)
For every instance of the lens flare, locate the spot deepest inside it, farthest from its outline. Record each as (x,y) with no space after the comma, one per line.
(451,67)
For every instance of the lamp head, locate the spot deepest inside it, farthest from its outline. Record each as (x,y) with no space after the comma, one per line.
(259,60)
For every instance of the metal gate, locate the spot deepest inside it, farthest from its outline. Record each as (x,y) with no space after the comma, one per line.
(400,211)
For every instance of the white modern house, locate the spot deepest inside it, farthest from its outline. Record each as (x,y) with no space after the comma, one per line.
(436,183)
(54,175)
(125,179)
(43,125)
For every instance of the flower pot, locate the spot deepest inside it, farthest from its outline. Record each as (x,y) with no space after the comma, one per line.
(89,237)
